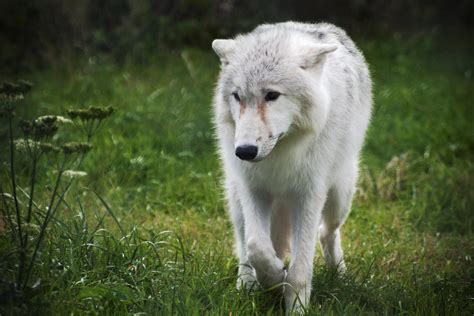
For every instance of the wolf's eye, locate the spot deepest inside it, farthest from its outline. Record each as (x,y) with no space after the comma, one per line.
(272,96)
(236,96)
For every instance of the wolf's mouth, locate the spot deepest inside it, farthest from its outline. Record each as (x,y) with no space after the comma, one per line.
(267,147)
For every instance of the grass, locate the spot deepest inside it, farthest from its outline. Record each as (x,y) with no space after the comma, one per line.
(160,241)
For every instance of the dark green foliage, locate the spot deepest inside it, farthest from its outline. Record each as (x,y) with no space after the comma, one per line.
(42,32)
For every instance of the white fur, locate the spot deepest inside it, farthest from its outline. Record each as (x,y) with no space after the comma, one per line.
(301,183)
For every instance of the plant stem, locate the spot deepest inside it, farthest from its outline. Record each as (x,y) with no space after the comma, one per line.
(12,174)
(17,206)
(89,131)
(32,190)
(43,226)
(8,214)
(60,200)
(30,206)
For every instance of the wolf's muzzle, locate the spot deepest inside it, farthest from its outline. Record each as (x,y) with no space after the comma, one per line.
(246,152)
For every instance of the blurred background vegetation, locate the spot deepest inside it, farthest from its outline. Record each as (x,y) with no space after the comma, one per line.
(41,32)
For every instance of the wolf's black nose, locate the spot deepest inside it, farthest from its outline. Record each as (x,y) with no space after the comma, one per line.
(246,152)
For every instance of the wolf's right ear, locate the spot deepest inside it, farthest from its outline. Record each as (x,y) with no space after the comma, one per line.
(313,55)
(223,48)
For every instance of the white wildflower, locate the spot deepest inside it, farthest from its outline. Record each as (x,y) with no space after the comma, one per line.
(74,173)
(25,144)
(53,118)
(63,120)
(29,144)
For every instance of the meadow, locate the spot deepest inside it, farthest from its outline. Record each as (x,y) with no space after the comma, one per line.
(146,231)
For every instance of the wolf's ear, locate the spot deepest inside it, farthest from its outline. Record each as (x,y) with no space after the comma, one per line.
(223,48)
(313,55)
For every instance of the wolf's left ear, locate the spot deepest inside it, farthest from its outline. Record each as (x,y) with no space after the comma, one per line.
(223,48)
(313,55)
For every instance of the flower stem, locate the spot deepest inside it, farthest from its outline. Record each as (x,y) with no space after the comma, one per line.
(43,226)
(8,215)
(30,206)
(15,198)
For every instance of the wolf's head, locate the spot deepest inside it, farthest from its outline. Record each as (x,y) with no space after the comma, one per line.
(270,84)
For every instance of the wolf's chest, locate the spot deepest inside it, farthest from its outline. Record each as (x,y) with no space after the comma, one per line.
(279,176)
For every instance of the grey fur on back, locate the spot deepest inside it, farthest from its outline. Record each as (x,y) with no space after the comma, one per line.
(322,32)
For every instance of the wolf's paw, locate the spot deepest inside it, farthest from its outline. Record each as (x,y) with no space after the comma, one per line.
(269,268)
(246,278)
(269,279)
(293,303)
(338,270)
(297,292)
(296,309)
(341,269)
(247,283)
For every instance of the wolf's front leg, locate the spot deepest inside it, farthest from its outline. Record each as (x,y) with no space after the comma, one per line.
(246,275)
(306,220)
(256,207)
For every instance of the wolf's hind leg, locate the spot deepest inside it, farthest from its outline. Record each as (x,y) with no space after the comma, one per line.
(281,229)
(335,212)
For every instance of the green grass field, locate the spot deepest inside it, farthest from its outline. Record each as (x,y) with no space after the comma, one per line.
(408,241)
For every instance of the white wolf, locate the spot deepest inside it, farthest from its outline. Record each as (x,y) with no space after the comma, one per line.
(291,108)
